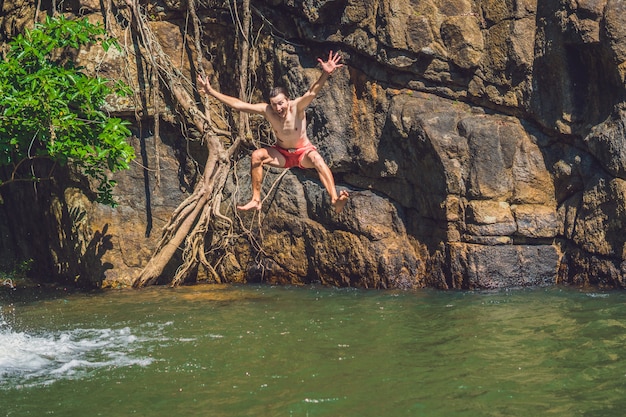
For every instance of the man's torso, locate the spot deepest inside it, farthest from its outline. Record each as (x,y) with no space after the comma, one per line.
(290,131)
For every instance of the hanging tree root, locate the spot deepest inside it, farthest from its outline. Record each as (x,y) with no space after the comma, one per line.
(191,221)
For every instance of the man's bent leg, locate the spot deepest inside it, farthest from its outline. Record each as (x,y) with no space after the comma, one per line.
(314,160)
(258,159)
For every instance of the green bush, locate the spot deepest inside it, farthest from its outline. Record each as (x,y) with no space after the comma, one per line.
(15,274)
(50,109)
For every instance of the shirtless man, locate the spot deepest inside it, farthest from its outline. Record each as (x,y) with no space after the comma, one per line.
(288,120)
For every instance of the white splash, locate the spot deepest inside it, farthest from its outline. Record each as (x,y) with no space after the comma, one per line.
(40,359)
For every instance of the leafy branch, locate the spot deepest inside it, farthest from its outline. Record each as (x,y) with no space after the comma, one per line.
(49,109)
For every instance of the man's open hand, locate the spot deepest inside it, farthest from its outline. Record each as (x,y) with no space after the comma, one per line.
(332,64)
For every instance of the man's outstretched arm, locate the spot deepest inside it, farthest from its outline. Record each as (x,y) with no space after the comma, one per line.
(328,67)
(234,102)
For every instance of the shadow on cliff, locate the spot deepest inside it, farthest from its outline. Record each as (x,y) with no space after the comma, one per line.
(576,81)
(577,89)
(46,223)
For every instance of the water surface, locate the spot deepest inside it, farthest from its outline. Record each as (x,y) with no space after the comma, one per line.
(311,351)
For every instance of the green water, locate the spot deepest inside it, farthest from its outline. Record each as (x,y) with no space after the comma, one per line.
(283,351)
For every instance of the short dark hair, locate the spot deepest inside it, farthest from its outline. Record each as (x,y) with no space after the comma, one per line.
(278,90)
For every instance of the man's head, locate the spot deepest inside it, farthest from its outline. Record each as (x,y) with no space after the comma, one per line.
(279,100)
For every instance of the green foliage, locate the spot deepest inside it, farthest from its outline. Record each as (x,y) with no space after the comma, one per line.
(15,274)
(50,109)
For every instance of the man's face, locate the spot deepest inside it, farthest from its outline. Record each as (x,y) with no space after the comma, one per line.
(280,104)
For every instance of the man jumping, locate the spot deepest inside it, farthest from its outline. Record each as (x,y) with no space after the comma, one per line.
(288,120)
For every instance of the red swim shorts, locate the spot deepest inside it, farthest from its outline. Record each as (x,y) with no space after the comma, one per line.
(293,157)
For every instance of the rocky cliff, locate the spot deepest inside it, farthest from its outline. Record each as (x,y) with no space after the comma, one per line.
(482,143)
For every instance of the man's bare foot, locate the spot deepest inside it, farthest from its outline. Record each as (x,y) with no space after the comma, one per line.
(341,201)
(252,205)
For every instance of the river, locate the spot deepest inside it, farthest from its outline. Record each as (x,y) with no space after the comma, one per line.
(215,350)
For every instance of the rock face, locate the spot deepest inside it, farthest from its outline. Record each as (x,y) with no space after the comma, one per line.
(482,144)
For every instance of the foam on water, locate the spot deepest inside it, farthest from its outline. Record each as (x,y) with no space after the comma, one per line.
(39,359)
